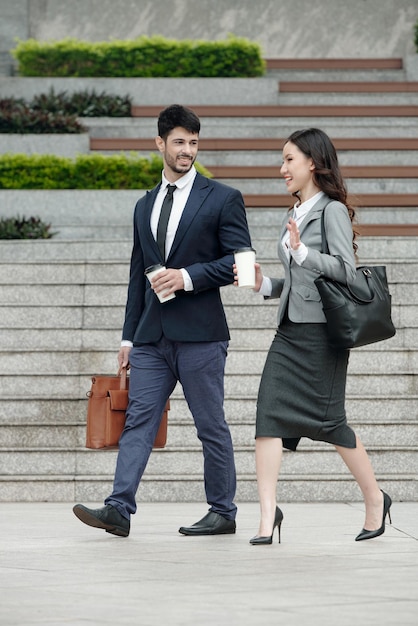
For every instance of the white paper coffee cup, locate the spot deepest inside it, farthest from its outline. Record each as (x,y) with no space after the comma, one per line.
(152,271)
(245,260)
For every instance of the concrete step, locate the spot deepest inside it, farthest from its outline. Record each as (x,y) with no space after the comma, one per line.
(385,248)
(309,487)
(214,128)
(258,143)
(349,172)
(71,385)
(176,463)
(90,292)
(95,273)
(96,340)
(365,192)
(98,215)
(363,411)
(97,316)
(50,362)
(306,476)
(183,435)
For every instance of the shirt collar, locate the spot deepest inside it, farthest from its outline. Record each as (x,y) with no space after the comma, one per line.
(302,209)
(181,182)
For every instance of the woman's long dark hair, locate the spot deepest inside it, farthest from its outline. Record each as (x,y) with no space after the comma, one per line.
(316,145)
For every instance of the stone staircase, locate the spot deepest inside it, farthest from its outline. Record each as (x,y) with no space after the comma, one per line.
(62,301)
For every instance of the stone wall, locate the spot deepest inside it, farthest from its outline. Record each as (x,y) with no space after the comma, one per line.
(297,29)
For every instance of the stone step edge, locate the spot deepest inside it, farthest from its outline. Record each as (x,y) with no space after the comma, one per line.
(359,199)
(260,172)
(394,63)
(347,87)
(278,111)
(187,449)
(182,422)
(190,477)
(261,143)
(348,171)
(244,398)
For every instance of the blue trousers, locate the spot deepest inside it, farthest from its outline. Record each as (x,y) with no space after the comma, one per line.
(154,372)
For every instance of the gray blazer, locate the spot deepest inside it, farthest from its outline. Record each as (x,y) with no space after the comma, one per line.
(297,289)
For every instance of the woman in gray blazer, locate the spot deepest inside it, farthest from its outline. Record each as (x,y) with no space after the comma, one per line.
(302,389)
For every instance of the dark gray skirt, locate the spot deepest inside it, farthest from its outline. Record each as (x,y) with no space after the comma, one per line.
(302,389)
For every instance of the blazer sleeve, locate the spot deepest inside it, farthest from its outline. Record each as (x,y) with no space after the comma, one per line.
(232,233)
(136,289)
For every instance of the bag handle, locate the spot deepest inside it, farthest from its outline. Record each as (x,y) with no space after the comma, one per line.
(122,372)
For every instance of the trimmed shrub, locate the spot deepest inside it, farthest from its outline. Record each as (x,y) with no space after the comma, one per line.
(416,36)
(145,56)
(21,171)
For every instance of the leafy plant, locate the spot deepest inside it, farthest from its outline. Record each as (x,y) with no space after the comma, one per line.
(18,117)
(22,228)
(83,104)
(57,113)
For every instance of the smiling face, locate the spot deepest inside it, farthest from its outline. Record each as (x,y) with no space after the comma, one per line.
(297,170)
(179,151)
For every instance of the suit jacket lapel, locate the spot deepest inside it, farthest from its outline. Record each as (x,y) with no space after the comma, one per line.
(315,212)
(282,254)
(198,193)
(145,218)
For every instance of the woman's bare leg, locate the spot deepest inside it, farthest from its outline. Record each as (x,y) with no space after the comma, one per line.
(268,458)
(358,462)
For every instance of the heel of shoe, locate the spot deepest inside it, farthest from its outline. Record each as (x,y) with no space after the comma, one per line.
(279,531)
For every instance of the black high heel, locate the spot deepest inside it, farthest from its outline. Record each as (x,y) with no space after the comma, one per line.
(370,534)
(264,541)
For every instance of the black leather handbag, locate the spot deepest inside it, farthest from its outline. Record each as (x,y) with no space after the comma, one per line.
(360,313)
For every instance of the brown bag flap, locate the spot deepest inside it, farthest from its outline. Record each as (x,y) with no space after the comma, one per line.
(118,399)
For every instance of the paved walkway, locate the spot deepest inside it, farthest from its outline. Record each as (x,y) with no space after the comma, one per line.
(55,570)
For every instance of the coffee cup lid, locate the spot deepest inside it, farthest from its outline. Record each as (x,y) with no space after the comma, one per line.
(152,268)
(248,249)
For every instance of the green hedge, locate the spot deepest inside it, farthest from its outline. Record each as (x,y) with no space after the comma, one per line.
(416,36)
(20,171)
(145,56)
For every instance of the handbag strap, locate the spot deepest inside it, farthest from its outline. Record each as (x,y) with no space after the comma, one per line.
(323,233)
(366,271)
(325,247)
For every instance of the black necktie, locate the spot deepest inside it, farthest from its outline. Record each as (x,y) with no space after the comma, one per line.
(164,217)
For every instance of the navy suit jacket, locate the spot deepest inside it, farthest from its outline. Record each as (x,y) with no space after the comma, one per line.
(212,226)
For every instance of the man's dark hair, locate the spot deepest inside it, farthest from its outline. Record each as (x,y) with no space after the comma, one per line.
(177,115)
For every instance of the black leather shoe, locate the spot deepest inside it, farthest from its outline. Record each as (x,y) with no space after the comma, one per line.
(107,518)
(211,524)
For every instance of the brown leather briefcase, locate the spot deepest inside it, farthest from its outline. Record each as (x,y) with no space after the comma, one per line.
(108,401)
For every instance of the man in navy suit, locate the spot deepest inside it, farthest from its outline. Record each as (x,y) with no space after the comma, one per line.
(183,339)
